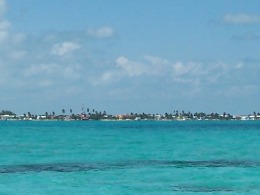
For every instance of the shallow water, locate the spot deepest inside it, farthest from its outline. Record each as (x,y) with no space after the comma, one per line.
(130,157)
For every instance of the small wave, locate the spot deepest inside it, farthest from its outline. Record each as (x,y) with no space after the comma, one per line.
(76,167)
(183,188)
(214,163)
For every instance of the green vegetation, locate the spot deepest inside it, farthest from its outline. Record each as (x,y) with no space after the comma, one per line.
(93,114)
(7,112)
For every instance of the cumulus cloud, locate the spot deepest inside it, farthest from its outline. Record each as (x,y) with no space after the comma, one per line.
(132,68)
(191,73)
(64,48)
(103,32)
(125,68)
(156,60)
(181,69)
(185,72)
(149,66)
(241,19)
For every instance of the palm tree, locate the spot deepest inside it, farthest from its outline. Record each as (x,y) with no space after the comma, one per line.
(63,111)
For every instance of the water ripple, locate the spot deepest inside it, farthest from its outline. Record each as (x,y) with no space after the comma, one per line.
(76,167)
(183,188)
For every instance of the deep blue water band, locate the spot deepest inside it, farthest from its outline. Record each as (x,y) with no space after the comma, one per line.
(75,167)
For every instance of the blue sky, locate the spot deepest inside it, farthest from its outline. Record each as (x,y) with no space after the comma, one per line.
(130,56)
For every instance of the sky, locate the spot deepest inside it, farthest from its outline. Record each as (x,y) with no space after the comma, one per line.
(130,56)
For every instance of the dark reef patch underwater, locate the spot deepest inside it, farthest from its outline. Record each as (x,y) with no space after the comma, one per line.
(74,167)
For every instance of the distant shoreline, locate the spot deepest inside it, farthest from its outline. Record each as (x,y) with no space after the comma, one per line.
(103,116)
(116,120)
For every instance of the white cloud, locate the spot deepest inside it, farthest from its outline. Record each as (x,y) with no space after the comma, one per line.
(64,48)
(130,68)
(103,32)
(124,68)
(192,73)
(3,7)
(4,34)
(181,69)
(156,60)
(157,66)
(150,66)
(241,19)
(107,77)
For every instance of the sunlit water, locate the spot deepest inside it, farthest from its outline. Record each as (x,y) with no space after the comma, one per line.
(129,157)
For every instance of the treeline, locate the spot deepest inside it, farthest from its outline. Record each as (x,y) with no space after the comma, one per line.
(176,115)
(92,114)
(7,112)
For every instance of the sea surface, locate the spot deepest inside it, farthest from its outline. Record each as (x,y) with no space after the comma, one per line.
(129,157)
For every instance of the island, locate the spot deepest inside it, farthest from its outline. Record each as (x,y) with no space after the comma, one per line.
(92,114)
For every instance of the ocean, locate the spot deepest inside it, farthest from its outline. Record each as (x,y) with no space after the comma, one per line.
(129,157)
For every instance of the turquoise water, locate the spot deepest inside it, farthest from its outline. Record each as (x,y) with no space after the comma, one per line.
(130,157)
